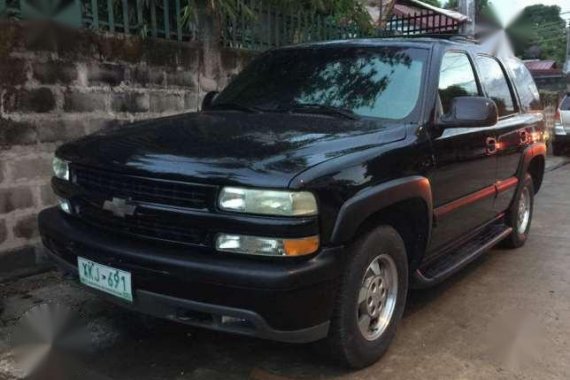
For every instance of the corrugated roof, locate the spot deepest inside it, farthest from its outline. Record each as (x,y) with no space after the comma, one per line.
(427,21)
(536,65)
(447,12)
(411,7)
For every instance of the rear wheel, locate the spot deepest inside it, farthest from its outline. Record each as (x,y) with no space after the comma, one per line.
(519,216)
(371,298)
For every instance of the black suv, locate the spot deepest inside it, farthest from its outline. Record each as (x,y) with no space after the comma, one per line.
(306,198)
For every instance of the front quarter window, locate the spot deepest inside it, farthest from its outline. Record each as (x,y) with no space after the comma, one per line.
(456,78)
(379,82)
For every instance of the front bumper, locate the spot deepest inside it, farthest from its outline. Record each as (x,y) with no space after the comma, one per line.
(283,300)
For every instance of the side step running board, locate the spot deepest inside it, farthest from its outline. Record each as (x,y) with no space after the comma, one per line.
(451,262)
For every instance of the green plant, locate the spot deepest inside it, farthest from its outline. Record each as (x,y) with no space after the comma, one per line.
(549,98)
(435,3)
(539,32)
(346,11)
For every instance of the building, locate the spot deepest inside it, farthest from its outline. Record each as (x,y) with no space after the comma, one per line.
(417,17)
(547,74)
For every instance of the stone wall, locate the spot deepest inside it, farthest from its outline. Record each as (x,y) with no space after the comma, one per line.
(59,84)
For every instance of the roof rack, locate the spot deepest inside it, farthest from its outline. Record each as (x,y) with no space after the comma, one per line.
(450,37)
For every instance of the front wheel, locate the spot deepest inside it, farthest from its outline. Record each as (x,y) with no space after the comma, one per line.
(371,298)
(519,216)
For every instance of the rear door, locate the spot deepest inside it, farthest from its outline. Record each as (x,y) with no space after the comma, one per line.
(515,128)
(466,166)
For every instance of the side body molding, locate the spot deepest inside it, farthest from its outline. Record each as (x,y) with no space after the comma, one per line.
(371,200)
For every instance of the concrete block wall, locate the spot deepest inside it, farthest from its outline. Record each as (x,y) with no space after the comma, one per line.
(58,84)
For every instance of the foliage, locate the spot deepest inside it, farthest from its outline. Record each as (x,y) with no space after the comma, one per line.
(452,4)
(486,13)
(549,98)
(347,11)
(483,9)
(435,3)
(539,32)
(344,12)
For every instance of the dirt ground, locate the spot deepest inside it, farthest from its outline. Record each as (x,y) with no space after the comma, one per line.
(507,316)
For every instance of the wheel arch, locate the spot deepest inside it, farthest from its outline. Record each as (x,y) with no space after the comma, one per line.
(405,204)
(533,162)
(536,170)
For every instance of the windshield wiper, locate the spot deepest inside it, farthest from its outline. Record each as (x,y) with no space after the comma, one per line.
(234,106)
(324,109)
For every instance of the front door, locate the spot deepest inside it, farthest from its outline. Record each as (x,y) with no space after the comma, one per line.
(463,181)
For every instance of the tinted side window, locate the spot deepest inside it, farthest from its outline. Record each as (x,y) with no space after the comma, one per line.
(524,82)
(456,78)
(495,84)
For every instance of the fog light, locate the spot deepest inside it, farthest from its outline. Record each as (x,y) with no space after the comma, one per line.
(65,206)
(252,245)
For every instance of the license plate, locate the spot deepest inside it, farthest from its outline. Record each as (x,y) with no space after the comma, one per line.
(105,279)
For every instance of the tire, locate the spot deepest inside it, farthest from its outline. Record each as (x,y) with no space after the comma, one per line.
(517,219)
(557,149)
(346,342)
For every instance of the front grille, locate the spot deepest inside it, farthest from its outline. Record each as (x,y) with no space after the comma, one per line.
(140,189)
(98,186)
(142,226)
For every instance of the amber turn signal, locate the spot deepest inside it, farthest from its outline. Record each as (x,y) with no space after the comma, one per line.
(267,246)
(300,247)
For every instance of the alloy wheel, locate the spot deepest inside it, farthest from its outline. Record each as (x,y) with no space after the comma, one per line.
(523,211)
(377,297)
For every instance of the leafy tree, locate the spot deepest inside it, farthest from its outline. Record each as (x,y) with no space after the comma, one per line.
(482,8)
(452,4)
(435,3)
(539,32)
(350,11)
(486,13)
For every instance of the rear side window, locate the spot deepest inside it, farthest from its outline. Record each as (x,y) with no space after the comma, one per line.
(526,88)
(456,78)
(565,105)
(496,85)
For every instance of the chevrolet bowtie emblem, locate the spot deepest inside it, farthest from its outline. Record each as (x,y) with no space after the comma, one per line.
(120,207)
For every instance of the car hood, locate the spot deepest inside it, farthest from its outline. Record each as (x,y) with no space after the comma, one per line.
(264,149)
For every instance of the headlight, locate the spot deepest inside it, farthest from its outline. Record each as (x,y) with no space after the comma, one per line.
(264,246)
(268,202)
(61,168)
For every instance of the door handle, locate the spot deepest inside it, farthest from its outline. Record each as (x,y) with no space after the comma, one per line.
(491,145)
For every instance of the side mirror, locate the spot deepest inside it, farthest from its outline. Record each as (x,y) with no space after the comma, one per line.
(470,112)
(208,100)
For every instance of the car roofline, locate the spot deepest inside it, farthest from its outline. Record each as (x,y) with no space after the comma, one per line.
(385,41)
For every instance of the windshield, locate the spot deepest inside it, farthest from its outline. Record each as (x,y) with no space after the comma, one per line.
(380,82)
